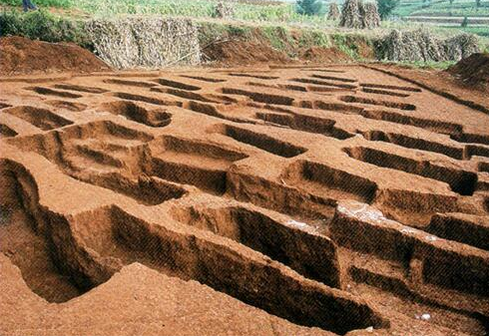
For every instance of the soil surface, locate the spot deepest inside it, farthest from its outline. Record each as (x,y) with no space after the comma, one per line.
(240,53)
(24,56)
(323,55)
(284,200)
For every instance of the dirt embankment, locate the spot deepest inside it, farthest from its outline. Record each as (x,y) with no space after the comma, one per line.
(473,71)
(22,56)
(239,53)
(247,47)
(231,53)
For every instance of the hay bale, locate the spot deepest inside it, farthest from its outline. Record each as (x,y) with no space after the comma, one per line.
(422,46)
(430,48)
(334,11)
(223,10)
(461,46)
(413,46)
(351,16)
(370,15)
(149,42)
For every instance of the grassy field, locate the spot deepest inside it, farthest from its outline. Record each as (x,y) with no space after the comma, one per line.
(246,10)
(442,8)
(268,11)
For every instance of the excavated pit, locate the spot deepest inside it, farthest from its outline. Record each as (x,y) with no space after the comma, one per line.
(134,112)
(340,198)
(26,233)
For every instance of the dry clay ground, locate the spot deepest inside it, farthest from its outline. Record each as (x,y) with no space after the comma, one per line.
(288,201)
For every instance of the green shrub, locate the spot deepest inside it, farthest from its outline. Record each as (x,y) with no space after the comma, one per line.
(41,25)
(346,44)
(386,7)
(309,7)
(309,38)
(41,3)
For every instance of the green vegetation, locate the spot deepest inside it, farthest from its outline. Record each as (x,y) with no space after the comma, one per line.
(386,7)
(350,44)
(43,26)
(45,3)
(465,22)
(309,7)
(481,31)
(265,11)
(428,65)
(442,8)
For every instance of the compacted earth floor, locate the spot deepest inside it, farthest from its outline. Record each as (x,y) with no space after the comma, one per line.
(285,200)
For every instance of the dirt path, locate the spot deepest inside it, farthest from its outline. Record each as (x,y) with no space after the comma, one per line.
(339,198)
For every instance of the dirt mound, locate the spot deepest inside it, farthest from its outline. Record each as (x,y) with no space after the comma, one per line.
(237,52)
(23,56)
(473,70)
(323,55)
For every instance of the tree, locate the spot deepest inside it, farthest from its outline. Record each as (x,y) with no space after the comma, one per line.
(386,7)
(465,22)
(478,3)
(309,7)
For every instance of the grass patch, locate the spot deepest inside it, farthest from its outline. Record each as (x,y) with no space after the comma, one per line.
(428,65)
(278,37)
(260,12)
(477,30)
(442,8)
(310,38)
(346,44)
(41,25)
(43,3)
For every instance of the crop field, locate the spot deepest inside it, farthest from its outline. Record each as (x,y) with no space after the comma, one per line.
(442,8)
(244,10)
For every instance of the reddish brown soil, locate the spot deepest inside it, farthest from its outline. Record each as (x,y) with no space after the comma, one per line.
(473,71)
(323,55)
(24,56)
(339,199)
(443,83)
(232,53)
(241,53)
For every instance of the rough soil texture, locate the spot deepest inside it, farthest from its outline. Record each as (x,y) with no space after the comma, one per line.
(282,200)
(473,71)
(24,56)
(244,53)
(238,53)
(323,55)
(442,83)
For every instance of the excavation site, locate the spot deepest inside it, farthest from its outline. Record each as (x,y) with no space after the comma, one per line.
(243,168)
(300,200)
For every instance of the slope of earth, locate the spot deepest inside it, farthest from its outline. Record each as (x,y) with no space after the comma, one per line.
(337,197)
(473,71)
(443,83)
(24,56)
